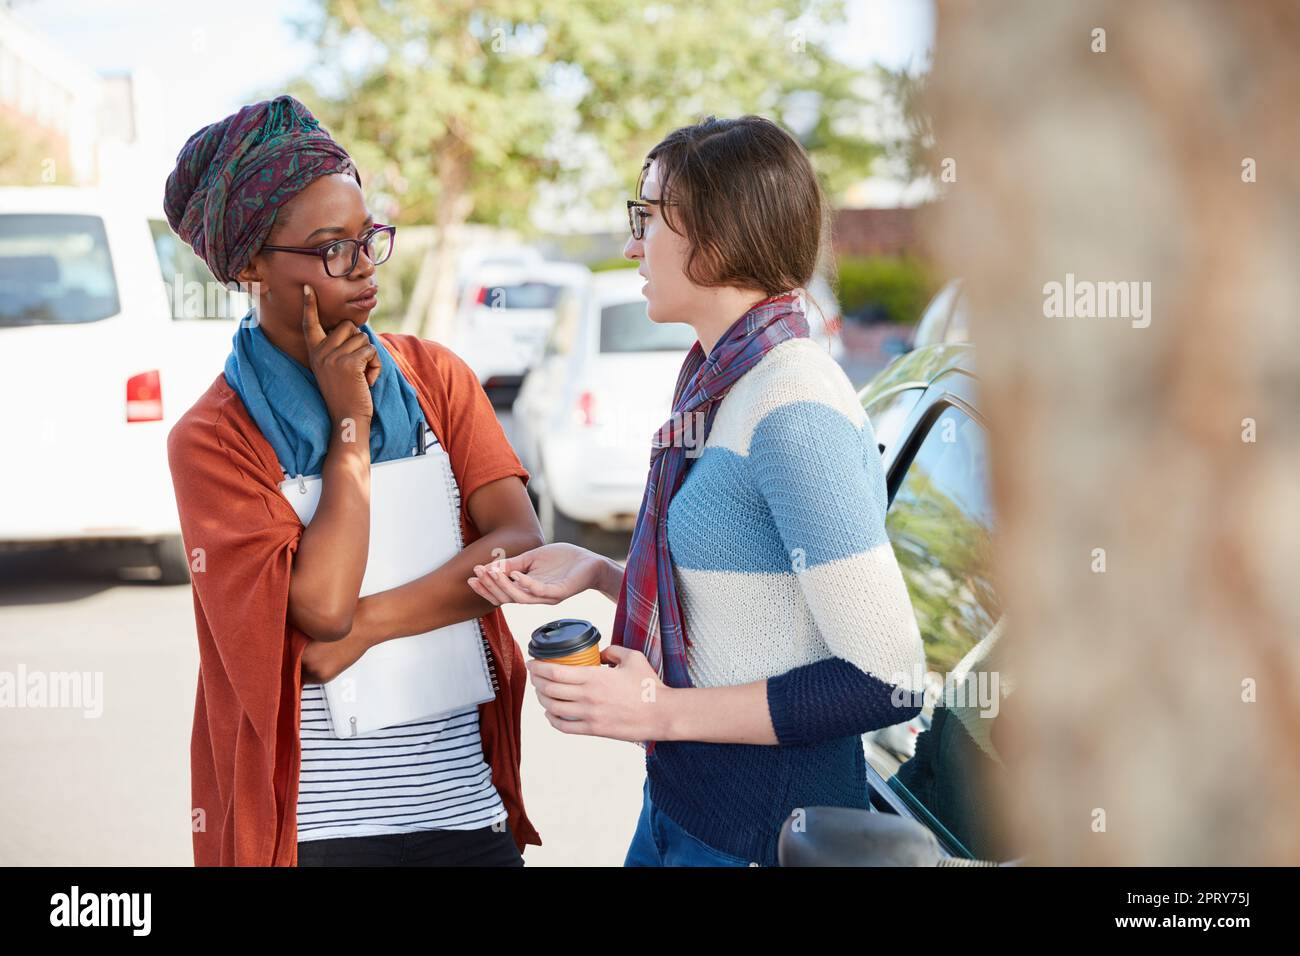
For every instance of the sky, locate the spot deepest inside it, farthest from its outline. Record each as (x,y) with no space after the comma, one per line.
(207,60)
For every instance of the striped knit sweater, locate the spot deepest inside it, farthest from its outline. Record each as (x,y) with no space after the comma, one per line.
(784,573)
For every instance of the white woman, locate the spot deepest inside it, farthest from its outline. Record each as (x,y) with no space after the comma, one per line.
(762,622)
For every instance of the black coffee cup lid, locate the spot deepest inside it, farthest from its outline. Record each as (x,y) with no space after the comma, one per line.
(562,638)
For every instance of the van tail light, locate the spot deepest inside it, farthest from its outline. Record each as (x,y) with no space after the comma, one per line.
(144,397)
(585,412)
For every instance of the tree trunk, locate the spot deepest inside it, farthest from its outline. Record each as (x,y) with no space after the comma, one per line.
(455,202)
(418,304)
(1146,469)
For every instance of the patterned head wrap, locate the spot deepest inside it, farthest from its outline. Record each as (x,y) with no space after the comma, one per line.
(232,176)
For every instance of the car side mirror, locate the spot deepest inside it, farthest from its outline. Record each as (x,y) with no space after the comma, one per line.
(846,836)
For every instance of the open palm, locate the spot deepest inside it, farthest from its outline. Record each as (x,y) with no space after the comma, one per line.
(545,575)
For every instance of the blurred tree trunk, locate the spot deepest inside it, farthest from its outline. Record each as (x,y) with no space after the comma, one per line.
(1157,703)
(431,312)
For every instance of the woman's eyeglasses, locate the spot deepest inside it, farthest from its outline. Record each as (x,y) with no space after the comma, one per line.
(340,256)
(638,210)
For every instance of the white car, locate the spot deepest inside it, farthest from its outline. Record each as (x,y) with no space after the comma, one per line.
(586,413)
(105,327)
(505,313)
(493,255)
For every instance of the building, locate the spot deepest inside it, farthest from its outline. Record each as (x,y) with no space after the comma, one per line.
(67,125)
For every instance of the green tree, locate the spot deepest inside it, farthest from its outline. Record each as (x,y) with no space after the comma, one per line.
(460,109)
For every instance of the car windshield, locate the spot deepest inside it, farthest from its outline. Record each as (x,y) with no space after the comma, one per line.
(55,269)
(626,327)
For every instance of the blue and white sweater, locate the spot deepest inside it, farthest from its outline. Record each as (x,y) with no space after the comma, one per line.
(785,574)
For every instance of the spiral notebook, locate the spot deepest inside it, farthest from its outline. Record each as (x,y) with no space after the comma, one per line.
(414,528)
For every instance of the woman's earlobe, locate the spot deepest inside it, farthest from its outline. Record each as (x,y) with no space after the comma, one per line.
(250,282)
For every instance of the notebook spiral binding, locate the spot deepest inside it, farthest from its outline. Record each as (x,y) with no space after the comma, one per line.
(429,438)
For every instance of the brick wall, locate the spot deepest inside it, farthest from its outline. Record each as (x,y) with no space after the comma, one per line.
(876,232)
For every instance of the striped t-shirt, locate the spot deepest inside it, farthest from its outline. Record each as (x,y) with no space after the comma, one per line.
(423,775)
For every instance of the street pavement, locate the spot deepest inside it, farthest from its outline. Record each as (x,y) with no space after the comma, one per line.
(112,788)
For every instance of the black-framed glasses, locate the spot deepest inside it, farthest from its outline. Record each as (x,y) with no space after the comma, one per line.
(637,211)
(340,256)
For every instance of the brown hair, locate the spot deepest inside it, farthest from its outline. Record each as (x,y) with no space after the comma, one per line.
(747,200)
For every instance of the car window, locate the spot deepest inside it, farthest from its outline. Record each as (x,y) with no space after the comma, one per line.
(931,326)
(888,414)
(959,323)
(55,269)
(626,327)
(524,295)
(193,292)
(941,526)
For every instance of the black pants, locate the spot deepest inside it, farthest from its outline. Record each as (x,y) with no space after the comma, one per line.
(483,847)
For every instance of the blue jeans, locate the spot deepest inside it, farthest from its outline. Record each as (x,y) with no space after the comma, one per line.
(658,841)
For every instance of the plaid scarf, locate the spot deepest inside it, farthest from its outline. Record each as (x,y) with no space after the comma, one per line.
(649,616)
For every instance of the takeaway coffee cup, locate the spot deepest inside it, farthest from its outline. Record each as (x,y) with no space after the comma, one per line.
(566,641)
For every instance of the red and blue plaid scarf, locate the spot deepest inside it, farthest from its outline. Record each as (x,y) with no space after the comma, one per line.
(649,616)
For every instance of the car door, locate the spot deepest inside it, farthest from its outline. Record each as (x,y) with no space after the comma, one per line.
(941,526)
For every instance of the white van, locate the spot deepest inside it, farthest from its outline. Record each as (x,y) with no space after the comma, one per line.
(110,329)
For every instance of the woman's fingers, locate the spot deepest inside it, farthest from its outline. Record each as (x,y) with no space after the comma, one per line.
(358,346)
(492,592)
(320,344)
(567,726)
(520,562)
(549,690)
(557,707)
(311,328)
(481,591)
(373,368)
(500,586)
(355,353)
(516,593)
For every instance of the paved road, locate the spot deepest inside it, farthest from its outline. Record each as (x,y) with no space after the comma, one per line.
(113,789)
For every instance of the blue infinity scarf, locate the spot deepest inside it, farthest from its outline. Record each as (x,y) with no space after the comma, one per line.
(284,400)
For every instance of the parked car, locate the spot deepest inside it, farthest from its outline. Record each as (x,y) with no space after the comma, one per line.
(945,319)
(585,414)
(506,310)
(108,345)
(931,804)
(490,256)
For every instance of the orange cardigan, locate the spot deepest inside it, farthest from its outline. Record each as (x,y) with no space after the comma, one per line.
(241,535)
